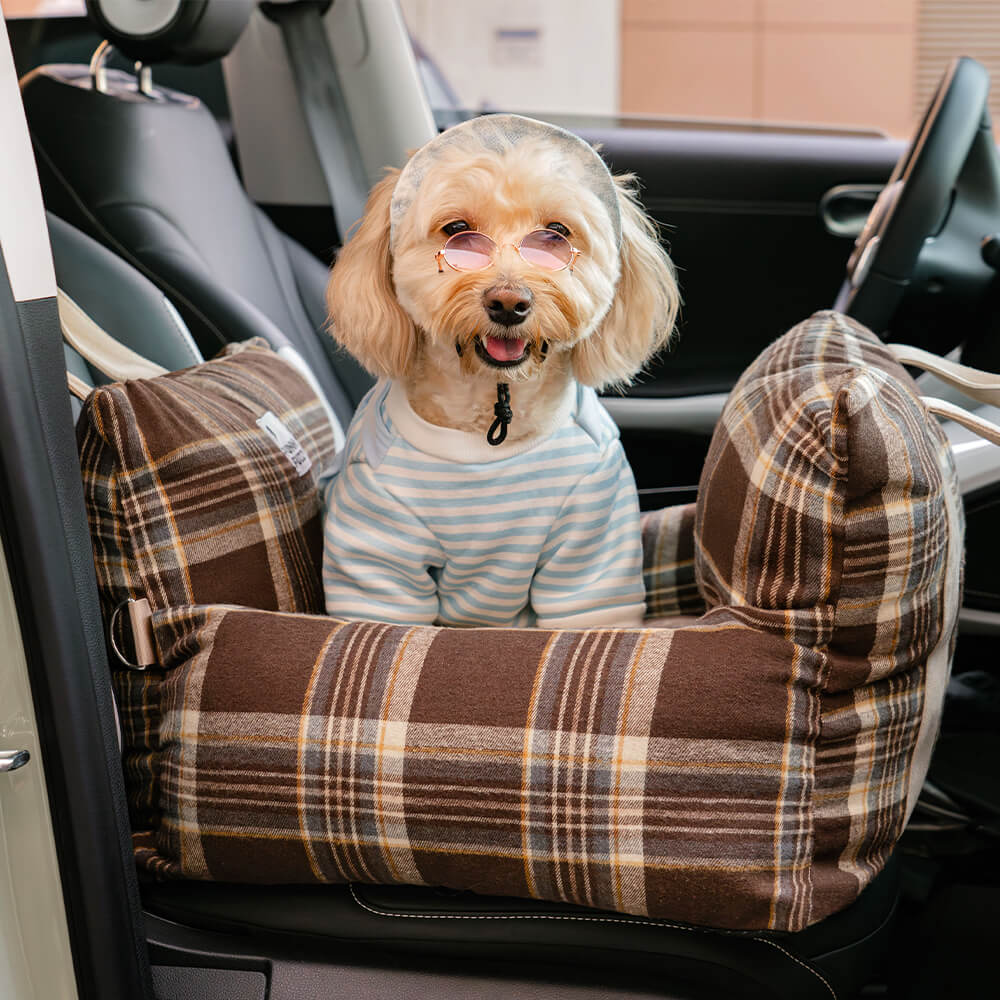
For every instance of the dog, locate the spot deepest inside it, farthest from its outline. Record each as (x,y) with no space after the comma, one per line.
(492,284)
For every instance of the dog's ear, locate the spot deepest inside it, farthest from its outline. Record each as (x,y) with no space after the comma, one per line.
(365,317)
(642,315)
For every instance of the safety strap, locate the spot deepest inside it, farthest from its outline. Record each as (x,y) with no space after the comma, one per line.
(981,386)
(96,346)
(984,387)
(321,96)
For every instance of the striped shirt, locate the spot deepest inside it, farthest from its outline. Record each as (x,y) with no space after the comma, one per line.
(426,524)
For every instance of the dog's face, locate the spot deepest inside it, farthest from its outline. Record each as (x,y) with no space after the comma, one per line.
(392,307)
(510,317)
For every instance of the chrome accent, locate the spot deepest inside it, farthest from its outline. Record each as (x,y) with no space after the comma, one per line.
(98,69)
(864,263)
(11,760)
(144,74)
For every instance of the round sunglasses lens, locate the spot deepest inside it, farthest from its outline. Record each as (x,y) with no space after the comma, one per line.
(546,248)
(469,251)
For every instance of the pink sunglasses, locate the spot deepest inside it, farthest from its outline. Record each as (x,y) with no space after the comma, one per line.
(472,251)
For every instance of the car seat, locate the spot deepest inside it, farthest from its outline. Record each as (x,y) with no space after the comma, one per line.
(833,957)
(173,206)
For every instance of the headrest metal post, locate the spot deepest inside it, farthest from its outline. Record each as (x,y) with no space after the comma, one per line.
(98,68)
(144,74)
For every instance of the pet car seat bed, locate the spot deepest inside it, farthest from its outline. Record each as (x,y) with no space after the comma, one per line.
(748,769)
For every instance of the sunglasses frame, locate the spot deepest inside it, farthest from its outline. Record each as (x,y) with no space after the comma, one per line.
(441,258)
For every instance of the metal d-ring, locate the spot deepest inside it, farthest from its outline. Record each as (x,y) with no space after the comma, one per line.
(114,645)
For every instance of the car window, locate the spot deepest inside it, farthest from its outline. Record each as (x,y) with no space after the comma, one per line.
(850,64)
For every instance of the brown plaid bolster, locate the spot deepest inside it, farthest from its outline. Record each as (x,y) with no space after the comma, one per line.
(821,506)
(606,768)
(190,500)
(822,517)
(668,562)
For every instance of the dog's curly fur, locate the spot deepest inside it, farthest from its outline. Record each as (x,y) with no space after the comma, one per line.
(602,321)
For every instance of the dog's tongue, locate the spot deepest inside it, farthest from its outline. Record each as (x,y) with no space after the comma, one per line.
(504,348)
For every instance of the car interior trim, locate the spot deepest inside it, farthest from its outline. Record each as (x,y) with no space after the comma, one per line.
(688,413)
(22,227)
(384,95)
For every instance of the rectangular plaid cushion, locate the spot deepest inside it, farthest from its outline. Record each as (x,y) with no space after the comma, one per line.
(617,768)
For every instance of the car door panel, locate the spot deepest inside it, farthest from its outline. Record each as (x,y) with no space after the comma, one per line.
(741,211)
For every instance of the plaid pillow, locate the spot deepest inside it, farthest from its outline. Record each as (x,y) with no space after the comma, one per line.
(191,498)
(668,563)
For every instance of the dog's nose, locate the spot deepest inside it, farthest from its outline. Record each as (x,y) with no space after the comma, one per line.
(507,305)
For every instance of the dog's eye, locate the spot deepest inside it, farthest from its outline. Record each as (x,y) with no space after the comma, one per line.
(458,226)
(557,227)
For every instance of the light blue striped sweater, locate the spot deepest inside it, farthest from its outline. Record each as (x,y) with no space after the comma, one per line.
(432,525)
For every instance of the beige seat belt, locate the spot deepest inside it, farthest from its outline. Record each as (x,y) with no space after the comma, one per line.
(96,346)
(984,387)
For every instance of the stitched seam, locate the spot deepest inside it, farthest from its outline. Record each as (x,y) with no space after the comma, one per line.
(799,961)
(121,250)
(523,916)
(175,320)
(588,920)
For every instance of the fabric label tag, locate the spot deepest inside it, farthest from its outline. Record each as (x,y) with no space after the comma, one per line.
(283,438)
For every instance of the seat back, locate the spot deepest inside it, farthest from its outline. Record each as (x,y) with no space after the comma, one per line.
(173,207)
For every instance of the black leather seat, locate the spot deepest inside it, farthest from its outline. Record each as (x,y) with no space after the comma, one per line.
(115,296)
(173,207)
(832,959)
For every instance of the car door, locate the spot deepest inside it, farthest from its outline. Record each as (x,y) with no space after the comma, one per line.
(759,223)
(68,896)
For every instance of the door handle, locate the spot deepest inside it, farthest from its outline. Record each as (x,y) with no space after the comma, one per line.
(845,208)
(11,760)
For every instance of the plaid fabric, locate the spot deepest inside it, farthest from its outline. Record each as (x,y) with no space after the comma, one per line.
(607,768)
(190,501)
(828,511)
(751,770)
(668,563)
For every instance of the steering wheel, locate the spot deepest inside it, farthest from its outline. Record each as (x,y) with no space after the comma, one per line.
(947,177)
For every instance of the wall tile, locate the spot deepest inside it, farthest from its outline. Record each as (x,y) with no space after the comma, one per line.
(687,73)
(846,78)
(685,11)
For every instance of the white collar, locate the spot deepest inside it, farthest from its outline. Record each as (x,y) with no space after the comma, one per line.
(466,447)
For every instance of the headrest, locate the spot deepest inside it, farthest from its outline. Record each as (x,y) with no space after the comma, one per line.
(182,31)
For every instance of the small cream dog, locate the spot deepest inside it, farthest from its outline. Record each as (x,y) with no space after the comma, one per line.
(493,282)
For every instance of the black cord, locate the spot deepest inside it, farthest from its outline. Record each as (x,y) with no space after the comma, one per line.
(497,433)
